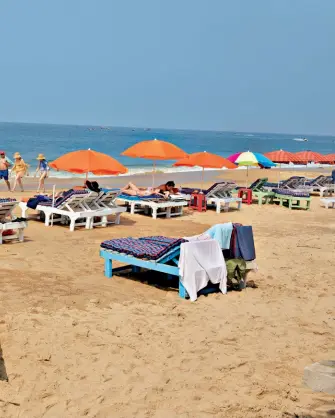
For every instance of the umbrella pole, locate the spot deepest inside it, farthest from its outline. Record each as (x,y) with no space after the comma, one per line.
(203,178)
(279,175)
(247,179)
(153,174)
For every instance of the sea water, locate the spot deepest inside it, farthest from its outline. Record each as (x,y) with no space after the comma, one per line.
(56,140)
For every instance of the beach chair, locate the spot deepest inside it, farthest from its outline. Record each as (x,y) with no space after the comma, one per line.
(157,206)
(218,195)
(260,192)
(6,208)
(322,184)
(292,183)
(293,199)
(107,199)
(75,207)
(134,254)
(6,214)
(328,202)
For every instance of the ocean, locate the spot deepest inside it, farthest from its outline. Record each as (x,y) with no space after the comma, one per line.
(56,140)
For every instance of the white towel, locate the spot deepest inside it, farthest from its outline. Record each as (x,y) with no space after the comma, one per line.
(199,263)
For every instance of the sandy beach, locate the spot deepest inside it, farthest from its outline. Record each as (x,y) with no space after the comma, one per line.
(77,344)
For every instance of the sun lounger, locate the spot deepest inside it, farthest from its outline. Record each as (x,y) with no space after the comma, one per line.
(107,199)
(144,253)
(328,202)
(75,206)
(218,195)
(6,214)
(6,208)
(18,227)
(261,192)
(157,205)
(293,199)
(322,184)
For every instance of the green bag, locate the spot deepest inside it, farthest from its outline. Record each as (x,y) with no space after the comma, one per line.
(236,273)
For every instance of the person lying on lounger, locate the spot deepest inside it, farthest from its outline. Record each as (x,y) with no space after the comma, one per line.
(163,190)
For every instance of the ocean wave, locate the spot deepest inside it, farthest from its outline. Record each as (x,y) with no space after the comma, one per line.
(131,171)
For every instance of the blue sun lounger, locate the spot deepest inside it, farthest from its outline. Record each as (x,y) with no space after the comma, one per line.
(168,264)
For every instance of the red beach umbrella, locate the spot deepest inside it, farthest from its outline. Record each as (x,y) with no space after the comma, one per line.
(282,157)
(311,156)
(331,158)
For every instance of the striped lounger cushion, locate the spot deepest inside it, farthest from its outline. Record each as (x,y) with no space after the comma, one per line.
(150,248)
(7,200)
(292,193)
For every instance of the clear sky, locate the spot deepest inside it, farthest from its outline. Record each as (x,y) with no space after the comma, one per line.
(251,65)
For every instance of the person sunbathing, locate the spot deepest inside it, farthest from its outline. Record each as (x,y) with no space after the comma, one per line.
(163,190)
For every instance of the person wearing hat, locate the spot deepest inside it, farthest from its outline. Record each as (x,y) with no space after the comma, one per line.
(42,168)
(20,169)
(4,165)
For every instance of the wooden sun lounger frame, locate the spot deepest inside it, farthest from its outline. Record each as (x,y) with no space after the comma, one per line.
(293,201)
(137,206)
(135,264)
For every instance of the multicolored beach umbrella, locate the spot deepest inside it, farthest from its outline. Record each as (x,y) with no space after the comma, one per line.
(251,159)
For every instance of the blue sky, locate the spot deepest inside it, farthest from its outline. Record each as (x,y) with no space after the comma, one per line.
(251,65)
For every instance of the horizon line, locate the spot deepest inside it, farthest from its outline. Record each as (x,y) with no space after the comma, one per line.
(168,129)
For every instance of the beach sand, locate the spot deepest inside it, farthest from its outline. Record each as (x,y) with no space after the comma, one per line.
(77,344)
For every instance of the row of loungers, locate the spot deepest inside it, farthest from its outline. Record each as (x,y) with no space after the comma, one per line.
(90,209)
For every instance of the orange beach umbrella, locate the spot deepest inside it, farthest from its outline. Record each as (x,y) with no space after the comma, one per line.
(155,149)
(88,161)
(205,160)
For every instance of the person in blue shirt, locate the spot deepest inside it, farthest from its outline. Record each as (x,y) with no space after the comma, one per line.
(43,170)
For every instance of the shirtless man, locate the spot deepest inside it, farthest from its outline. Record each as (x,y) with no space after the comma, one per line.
(4,164)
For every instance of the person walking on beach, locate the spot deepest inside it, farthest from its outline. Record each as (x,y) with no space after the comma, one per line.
(4,165)
(20,169)
(43,169)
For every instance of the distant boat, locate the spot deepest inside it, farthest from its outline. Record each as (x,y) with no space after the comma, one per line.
(147,129)
(300,139)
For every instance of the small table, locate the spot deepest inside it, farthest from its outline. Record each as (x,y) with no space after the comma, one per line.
(198,202)
(246,195)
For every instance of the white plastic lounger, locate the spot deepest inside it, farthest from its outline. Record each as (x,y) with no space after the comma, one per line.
(328,202)
(16,226)
(159,207)
(6,212)
(75,208)
(107,199)
(219,195)
(6,208)
(224,202)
